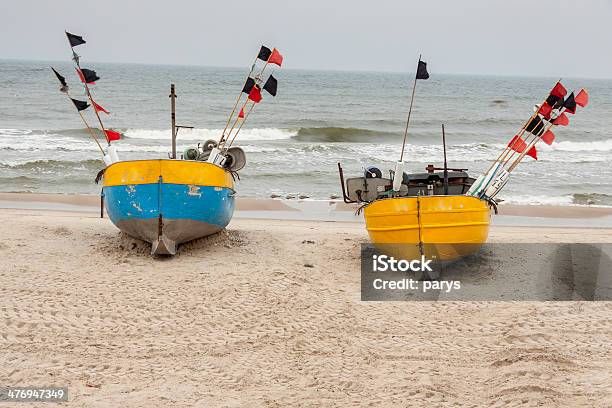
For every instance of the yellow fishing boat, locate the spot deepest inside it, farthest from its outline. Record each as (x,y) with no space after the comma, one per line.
(439,227)
(426,214)
(429,214)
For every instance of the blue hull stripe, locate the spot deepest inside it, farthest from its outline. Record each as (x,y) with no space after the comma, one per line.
(212,205)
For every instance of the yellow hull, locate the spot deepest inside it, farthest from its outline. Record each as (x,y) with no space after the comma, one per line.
(440,227)
(187,172)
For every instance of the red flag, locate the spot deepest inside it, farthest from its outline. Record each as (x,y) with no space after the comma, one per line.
(99,108)
(112,135)
(561,120)
(276,58)
(545,110)
(241,114)
(255,94)
(548,137)
(582,98)
(559,90)
(533,153)
(517,144)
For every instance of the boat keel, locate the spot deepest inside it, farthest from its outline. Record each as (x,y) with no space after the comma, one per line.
(163,246)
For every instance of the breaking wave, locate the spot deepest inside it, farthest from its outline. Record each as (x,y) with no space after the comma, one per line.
(569,146)
(55,165)
(206,134)
(340,134)
(79,139)
(592,199)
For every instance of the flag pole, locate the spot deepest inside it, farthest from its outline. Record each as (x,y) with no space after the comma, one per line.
(531,144)
(503,156)
(445,163)
(240,127)
(257,78)
(532,136)
(64,90)
(237,101)
(89,129)
(75,58)
(510,152)
(173,118)
(410,110)
(91,132)
(229,134)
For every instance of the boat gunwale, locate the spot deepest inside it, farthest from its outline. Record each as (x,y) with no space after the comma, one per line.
(425,226)
(160,160)
(415,212)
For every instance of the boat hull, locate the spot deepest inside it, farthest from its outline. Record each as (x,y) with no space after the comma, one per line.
(168,202)
(440,227)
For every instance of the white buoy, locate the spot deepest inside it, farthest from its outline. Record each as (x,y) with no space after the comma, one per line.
(107,160)
(398,177)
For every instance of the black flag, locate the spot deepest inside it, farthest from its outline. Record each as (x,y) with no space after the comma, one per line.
(87,75)
(264,53)
(80,105)
(248,85)
(59,77)
(570,104)
(271,85)
(535,126)
(74,40)
(422,71)
(554,101)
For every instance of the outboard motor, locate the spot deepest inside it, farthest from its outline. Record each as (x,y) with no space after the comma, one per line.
(372,172)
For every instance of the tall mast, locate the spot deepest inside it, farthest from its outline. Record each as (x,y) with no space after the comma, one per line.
(173,119)
(410,110)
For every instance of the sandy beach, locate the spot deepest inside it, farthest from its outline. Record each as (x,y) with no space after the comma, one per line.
(268,313)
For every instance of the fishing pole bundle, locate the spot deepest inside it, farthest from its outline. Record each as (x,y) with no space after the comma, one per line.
(89,77)
(551,112)
(223,154)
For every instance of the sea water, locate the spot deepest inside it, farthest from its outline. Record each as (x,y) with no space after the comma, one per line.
(294,141)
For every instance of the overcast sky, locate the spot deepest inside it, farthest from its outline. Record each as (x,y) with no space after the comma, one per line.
(558,38)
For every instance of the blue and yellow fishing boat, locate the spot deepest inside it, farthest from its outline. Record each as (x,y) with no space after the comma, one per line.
(167,202)
(170,201)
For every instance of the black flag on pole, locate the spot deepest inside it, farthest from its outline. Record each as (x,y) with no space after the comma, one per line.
(422,71)
(64,87)
(554,101)
(87,75)
(570,104)
(59,77)
(74,40)
(271,85)
(80,105)
(248,85)
(264,53)
(535,126)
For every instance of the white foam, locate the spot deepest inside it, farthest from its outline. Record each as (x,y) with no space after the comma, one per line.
(15,132)
(205,134)
(537,199)
(568,146)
